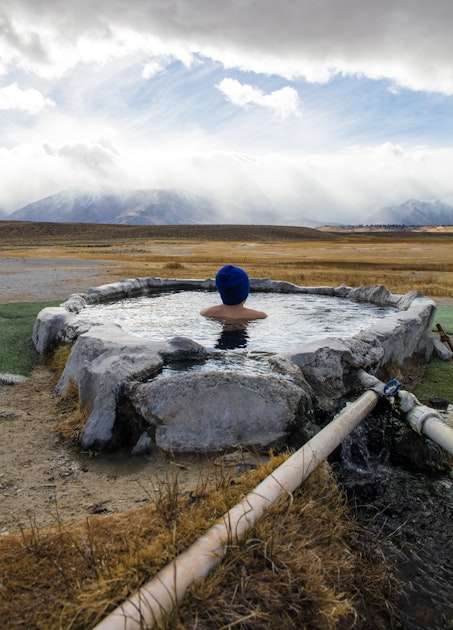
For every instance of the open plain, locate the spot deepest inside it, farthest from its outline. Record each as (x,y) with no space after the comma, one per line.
(55,259)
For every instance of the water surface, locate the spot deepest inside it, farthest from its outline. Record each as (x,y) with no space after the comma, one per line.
(293,319)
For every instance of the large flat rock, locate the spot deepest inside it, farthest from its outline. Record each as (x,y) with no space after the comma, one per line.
(212,411)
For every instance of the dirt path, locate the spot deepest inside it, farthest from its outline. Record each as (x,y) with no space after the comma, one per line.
(43,478)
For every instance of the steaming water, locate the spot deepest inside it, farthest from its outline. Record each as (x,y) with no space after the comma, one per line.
(293,319)
(356,456)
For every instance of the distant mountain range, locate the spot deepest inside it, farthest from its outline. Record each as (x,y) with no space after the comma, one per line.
(176,207)
(139,207)
(413,212)
(147,207)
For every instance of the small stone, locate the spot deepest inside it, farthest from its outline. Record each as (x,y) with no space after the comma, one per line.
(12,379)
(438,402)
(144,445)
(99,508)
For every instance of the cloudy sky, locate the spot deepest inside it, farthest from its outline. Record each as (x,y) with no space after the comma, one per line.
(327,110)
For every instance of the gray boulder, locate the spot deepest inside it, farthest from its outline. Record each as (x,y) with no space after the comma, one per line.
(441,349)
(12,379)
(215,411)
(101,362)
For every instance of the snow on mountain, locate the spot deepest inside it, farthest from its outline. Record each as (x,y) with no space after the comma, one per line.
(171,207)
(148,207)
(140,207)
(413,212)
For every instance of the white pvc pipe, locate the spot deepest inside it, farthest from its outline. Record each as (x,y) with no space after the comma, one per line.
(159,596)
(424,420)
(439,432)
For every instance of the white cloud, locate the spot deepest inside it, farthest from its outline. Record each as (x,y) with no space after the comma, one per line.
(30,101)
(284,102)
(408,42)
(50,169)
(97,158)
(130,115)
(154,66)
(344,186)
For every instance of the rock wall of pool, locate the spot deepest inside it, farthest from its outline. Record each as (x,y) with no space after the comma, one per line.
(157,386)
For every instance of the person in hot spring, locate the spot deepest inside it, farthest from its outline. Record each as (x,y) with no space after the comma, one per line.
(233,284)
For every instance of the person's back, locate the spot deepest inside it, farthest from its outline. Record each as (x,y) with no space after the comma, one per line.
(226,312)
(233,284)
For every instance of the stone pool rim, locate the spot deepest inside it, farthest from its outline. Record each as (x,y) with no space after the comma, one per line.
(138,287)
(105,361)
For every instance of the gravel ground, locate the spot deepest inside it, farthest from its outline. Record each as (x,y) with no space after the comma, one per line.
(44,478)
(40,279)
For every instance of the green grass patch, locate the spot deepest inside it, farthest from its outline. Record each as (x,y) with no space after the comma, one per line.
(437,381)
(17,355)
(444,317)
(438,378)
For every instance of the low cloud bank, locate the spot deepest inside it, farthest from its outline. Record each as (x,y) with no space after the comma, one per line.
(344,187)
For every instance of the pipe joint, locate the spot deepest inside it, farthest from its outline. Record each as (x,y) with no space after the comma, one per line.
(407,401)
(369,381)
(418,415)
(391,388)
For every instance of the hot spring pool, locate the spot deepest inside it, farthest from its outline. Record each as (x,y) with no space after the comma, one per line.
(128,334)
(293,319)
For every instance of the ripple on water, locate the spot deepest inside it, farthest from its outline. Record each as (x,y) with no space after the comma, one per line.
(293,319)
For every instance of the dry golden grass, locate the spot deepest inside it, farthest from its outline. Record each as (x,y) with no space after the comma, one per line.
(402,262)
(301,565)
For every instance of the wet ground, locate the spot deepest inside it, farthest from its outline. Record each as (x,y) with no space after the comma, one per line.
(405,501)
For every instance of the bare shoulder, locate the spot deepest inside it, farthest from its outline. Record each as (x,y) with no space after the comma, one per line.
(251,313)
(212,311)
(232,313)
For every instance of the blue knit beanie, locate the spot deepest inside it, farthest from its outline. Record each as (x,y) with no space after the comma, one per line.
(233,284)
